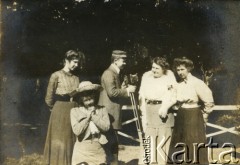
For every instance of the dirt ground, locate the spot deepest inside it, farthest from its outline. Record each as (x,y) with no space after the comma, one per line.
(130,155)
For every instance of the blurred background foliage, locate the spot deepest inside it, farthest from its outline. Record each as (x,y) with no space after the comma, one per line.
(39,32)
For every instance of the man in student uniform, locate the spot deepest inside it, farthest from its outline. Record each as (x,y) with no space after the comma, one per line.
(112,97)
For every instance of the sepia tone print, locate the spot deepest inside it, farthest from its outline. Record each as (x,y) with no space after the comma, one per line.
(130,49)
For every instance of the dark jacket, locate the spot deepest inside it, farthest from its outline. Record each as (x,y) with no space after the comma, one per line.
(112,96)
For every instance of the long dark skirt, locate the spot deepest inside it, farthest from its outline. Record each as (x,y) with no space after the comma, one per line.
(60,138)
(189,129)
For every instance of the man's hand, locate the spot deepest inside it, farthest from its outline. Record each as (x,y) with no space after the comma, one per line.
(124,85)
(131,88)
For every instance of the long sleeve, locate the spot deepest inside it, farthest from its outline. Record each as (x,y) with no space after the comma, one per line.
(79,122)
(205,94)
(51,89)
(142,86)
(193,90)
(170,97)
(112,90)
(101,120)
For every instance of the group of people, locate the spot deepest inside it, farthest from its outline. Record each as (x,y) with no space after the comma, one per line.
(85,117)
(174,112)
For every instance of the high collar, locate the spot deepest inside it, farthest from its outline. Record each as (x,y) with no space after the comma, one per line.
(188,78)
(115,68)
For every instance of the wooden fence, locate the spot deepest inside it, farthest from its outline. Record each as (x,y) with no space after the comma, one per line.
(221,129)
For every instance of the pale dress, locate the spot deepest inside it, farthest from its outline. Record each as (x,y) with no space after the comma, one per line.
(88,148)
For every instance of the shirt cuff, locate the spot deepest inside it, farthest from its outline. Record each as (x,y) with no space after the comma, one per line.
(128,92)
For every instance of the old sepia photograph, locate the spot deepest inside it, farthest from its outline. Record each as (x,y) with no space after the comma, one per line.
(119,82)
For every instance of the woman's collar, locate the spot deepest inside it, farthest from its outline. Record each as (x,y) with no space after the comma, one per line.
(68,73)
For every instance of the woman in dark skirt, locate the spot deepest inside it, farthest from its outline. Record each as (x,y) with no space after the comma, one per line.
(60,138)
(189,126)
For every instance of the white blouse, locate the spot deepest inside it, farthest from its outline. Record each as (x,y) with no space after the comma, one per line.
(156,88)
(194,90)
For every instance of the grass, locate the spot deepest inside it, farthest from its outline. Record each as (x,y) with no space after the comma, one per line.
(33,159)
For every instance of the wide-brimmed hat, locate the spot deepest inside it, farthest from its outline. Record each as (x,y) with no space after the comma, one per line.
(88,86)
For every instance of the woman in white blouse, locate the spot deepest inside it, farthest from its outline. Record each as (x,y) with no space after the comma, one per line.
(157,95)
(189,124)
(89,121)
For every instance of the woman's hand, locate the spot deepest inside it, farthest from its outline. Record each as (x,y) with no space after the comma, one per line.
(205,117)
(188,101)
(185,101)
(91,111)
(162,113)
(208,107)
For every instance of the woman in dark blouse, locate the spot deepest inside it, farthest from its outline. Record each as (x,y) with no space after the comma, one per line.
(60,139)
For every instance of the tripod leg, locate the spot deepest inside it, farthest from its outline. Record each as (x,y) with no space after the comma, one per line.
(136,115)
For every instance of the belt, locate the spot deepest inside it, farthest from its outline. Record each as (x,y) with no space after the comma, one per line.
(193,105)
(94,137)
(153,101)
(64,97)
